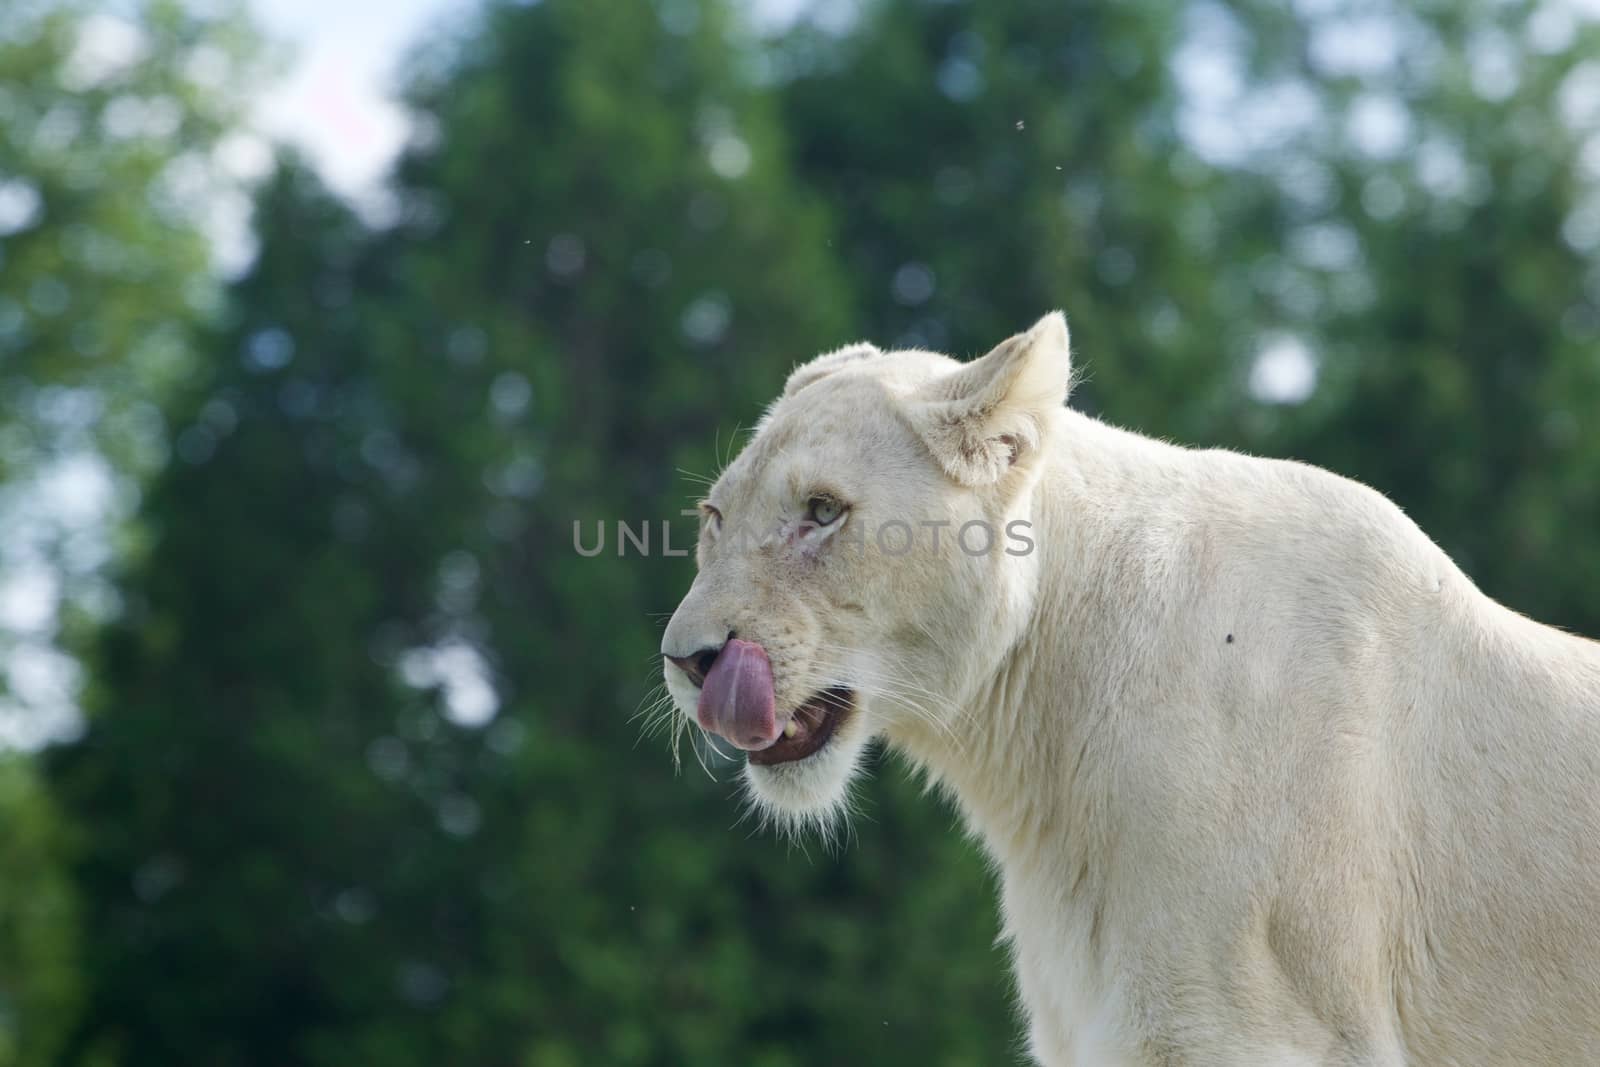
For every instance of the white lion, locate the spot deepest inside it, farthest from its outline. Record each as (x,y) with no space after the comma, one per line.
(1267,779)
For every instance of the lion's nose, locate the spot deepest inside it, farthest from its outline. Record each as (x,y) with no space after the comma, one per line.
(697,664)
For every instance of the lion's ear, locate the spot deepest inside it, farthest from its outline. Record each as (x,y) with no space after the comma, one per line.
(826,364)
(992,413)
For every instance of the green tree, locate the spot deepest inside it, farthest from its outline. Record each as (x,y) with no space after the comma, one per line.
(109,128)
(40,982)
(115,141)
(987,162)
(211,848)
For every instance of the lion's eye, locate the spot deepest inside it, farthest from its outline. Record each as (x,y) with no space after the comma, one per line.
(713,518)
(824,510)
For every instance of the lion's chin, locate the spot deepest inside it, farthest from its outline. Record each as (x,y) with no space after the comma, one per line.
(810,791)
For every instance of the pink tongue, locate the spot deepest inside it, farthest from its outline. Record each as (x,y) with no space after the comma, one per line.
(736,697)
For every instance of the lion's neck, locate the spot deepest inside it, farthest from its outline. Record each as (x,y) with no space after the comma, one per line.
(1028,751)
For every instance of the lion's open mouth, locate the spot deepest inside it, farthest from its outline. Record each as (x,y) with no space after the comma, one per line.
(809,728)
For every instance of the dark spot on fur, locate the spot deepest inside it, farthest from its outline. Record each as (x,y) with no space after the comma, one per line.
(1230,639)
(1083,872)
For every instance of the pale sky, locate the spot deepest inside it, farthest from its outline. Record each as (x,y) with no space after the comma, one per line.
(336,101)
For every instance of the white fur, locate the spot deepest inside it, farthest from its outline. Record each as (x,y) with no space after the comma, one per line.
(1365,830)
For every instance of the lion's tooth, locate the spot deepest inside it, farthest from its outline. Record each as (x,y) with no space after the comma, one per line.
(791,728)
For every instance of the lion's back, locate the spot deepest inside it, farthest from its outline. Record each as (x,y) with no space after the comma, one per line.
(1473,736)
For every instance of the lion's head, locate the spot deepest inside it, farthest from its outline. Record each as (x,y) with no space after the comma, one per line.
(866,560)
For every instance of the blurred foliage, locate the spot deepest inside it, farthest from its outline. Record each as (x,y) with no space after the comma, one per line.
(114,146)
(41,982)
(110,133)
(360,781)
(1023,156)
